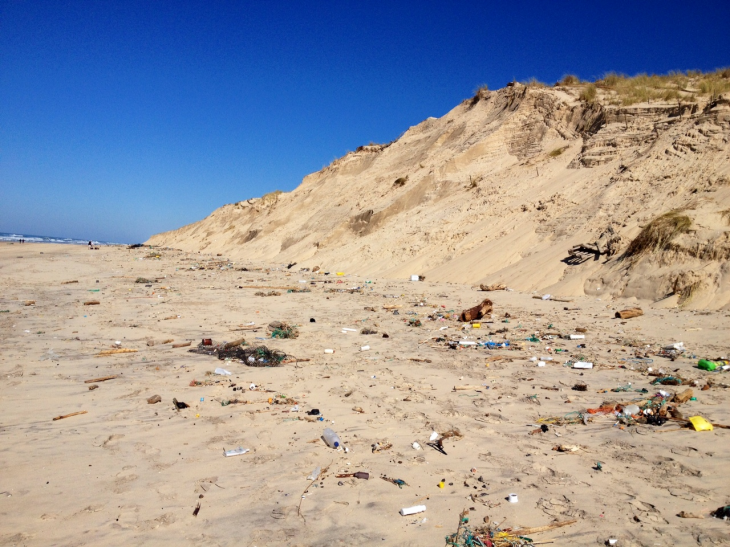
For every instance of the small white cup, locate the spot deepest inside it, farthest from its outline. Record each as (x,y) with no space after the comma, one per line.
(512,498)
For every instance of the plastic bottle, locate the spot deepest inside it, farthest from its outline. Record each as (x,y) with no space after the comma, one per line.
(706,364)
(331,438)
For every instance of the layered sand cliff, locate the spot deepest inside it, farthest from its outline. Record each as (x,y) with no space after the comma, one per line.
(501,187)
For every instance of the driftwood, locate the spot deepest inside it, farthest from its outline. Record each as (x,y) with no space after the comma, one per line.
(233,344)
(467,387)
(495,287)
(683,397)
(181,345)
(102,379)
(628,314)
(69,415)
(267,287)
(115,351)
(69,282)
(477,312)
(92,303)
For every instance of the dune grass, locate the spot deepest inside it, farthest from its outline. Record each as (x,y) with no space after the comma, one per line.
(589,93)
(675,86)
(657,235)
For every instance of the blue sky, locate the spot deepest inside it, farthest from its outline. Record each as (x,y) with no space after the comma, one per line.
(122,119)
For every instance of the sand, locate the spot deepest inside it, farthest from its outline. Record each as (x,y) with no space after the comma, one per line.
(129,472)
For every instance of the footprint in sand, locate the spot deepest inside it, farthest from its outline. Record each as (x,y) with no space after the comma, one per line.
(123,481)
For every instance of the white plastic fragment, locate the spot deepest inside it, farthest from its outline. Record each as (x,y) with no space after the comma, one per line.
(434,436)
(314,475)
(577,336)
(412,510)
(329,351)
(365,348)
(512,498)
(235,452)
(222,371)
(417,446)
(582,364)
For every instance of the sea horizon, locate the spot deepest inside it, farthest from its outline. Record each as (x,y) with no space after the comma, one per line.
(14,237)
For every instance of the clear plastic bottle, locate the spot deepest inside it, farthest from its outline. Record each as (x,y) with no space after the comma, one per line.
(331,438)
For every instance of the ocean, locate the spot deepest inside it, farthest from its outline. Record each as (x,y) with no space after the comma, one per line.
(51,239)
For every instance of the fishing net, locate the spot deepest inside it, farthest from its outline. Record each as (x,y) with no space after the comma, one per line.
(260,356)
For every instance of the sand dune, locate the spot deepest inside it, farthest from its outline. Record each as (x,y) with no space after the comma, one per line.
(499,189)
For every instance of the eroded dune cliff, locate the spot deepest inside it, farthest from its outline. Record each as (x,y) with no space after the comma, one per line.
(501,187)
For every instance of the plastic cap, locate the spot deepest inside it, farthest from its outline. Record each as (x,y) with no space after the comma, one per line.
(337,444)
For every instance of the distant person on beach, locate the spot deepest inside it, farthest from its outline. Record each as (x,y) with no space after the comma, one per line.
(91,245)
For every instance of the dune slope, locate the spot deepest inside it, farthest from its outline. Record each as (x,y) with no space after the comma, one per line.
(500,188)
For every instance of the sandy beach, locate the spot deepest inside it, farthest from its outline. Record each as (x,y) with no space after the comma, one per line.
(126,472)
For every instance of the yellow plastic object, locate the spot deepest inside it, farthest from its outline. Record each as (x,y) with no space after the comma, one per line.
(340,273)
(442,484)
(476,325)
(700,424)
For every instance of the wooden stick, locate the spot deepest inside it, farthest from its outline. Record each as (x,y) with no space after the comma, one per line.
(92,303)
(181,345)
(69,415)
(115,351)
(537,529)
(265,287)
(467,388)
(102,379)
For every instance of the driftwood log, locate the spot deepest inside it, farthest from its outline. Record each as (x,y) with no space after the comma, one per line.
(628,314)
(477,312)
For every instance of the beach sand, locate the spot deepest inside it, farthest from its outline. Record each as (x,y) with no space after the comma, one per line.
(129,472)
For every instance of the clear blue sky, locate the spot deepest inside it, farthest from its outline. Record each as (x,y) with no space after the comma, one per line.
(122,119)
